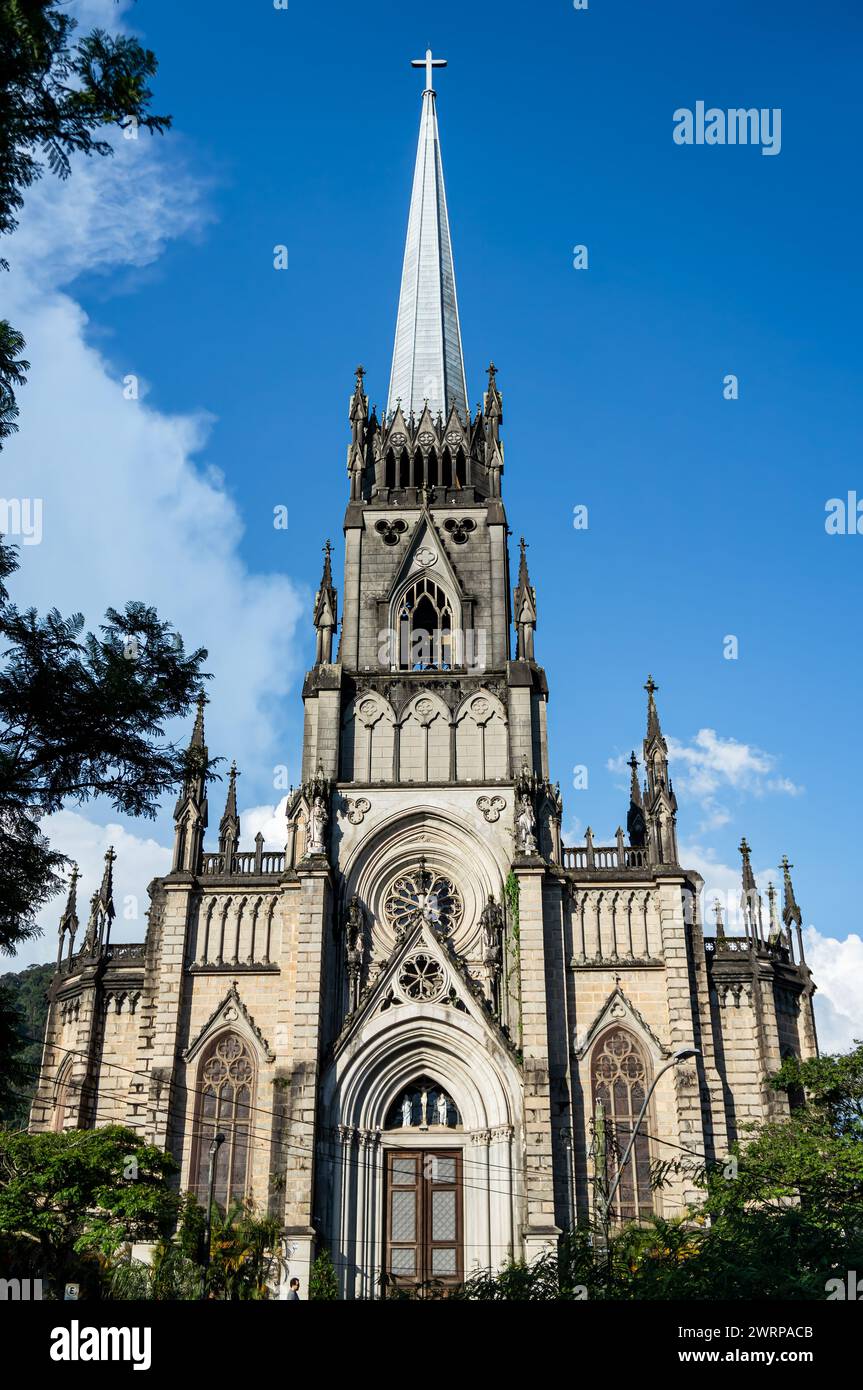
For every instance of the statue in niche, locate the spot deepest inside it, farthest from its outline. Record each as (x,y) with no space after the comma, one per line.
(525,827)
(318,817)
(354,950)
(407,1111)
(442,1110)
(491,926)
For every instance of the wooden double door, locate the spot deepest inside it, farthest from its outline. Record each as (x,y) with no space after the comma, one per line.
(424,1219)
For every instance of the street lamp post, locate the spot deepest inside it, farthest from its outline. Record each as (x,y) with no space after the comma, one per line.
(682,1055)
(217,1142)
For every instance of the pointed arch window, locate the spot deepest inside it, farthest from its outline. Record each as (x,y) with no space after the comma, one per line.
(61,1096)
(226,1081)
(423,1105)
(619,1083)
(425,628)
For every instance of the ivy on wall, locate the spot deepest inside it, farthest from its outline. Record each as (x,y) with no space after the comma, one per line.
(511,894)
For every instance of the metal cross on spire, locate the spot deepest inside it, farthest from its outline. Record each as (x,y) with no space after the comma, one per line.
(428,62)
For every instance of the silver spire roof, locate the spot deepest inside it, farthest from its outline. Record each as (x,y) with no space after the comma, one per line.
(427,357)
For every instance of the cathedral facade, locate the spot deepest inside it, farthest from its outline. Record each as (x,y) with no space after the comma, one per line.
(426,1025)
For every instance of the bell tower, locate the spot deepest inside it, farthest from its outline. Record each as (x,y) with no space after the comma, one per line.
(428,604)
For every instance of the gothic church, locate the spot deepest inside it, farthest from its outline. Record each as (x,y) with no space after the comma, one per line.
(412,1022)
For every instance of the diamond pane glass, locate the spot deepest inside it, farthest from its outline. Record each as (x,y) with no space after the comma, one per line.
(443,1170)
(404,1172)
(444,1261)
(443,1216)
(404,1216)
(403,1261)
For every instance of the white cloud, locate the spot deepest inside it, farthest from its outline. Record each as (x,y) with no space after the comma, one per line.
(269,820)
(130,510)
(709,765)
(723,881)
(140,858)
(712,762)
(838,970)
(837,965)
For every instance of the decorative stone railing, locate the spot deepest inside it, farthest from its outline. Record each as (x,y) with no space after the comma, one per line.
(131,951)
(128,950)
(604,857)
(743,945)
(256,863)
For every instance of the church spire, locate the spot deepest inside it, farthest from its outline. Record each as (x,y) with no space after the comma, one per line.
(635,823)
(69,920)
(790,910)
(750,898)
(358,414)
(102,911)
(190,812)
(525,608)
(229,825)
(428,365)
(653,727)
(660,802)
(326,611)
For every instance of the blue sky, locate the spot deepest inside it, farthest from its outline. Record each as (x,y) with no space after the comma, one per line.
(706,516)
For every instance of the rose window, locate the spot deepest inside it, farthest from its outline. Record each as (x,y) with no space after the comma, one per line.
(425,893)
(422,978)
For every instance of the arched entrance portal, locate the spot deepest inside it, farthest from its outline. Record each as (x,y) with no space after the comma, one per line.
(421,1178)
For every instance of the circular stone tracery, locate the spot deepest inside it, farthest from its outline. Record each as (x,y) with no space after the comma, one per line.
(426,891)
(422,978)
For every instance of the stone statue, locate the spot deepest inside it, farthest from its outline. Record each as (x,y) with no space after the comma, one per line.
(354,926)
(491,923)
(525,827)
(318,817)
(491,926)
(441,1109)
(407,1111)
(354,950)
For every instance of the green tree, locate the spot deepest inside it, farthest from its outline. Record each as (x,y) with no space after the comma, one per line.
(23,1011)
(57,93)
(831,1085)
(323,1284)
(81,715)
(69,1202)
(778,1223)
(245,1258)
(170,1276)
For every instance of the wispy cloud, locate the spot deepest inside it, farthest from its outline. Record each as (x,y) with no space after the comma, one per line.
(130,508)
(709,765)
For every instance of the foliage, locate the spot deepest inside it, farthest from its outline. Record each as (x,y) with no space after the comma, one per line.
(170,1276)
(511,894)
(81,715)
(56,93)
(833,1086)
(81,1195)
(23,1011)
(778,1223)
(323,1284)
(13,372)
(244,1262)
